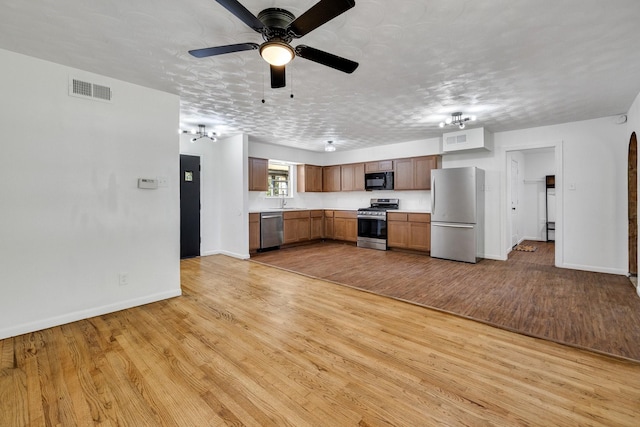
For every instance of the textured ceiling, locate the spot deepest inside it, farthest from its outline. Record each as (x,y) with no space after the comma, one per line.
(513,63)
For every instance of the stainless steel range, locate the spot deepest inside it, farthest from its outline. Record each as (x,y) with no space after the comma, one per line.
(372,223)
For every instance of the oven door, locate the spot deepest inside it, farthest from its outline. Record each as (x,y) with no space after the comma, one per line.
(372,227)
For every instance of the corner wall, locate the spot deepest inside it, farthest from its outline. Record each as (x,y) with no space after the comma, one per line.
(73,220)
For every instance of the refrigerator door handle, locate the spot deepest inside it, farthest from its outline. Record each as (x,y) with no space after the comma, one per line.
(433,195)
(436,224)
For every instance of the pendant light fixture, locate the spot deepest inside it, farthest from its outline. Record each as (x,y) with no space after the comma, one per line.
(201,133)
(457,119)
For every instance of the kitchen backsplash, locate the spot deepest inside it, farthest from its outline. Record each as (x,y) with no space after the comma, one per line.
(409,200)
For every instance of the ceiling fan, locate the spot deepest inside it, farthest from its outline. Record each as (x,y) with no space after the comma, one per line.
(278,28)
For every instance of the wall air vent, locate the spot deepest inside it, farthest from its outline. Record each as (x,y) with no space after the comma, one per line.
(87,90)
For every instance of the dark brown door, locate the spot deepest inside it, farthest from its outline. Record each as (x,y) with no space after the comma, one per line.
(633,205)
(189,206)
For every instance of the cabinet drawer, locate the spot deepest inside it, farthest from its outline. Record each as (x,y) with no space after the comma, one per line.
(296,215)
(396,216)
(328,214)
(315,214)
(419,217)
(254,217)
(346,214)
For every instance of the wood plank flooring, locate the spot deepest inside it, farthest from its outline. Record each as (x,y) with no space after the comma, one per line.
(252,345)
(526,294)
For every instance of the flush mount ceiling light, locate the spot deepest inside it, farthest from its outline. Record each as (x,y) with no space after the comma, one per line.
(329,146)
(201,133)
(276,52)
(456,119)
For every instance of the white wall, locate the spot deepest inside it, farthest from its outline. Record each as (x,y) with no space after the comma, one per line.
(72,216)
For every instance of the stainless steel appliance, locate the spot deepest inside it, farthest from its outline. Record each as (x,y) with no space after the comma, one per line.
(372,223)
(378,181)
(457,214)
(271,230)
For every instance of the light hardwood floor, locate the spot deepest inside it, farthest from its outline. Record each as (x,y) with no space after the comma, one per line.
(248,344)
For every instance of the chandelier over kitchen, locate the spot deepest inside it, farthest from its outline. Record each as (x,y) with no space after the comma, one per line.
(457,119)
(201,133)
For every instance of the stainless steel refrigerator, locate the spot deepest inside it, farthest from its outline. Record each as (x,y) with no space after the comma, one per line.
(457,214)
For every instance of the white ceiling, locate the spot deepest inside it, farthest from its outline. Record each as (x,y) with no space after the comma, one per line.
(513,63)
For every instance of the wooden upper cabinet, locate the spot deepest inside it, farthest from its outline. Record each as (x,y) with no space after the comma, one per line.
(309,178)
(352,177)
(258,174)
(414,173)
(331,178)
(381,166)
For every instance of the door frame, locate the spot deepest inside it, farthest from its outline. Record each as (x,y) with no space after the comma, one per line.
(632,197)
(505,198)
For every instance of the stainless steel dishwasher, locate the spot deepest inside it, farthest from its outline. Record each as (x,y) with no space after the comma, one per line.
(271,233)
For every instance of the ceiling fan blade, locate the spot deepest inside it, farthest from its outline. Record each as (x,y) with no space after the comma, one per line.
(320,13)
(219,50)
(242,14)
(326,58)
(278,78)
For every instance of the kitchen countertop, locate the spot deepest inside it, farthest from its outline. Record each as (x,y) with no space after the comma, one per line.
(293,209)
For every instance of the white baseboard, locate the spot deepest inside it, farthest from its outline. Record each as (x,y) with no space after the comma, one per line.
(594,269)
(50,322)
(231,254)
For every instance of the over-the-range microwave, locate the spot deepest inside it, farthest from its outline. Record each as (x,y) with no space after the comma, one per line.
(378,181)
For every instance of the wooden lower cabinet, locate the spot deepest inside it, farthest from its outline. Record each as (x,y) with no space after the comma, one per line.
(254,232)
(345,226)
(316,224)
(296,226)
(328,225)
(409,231)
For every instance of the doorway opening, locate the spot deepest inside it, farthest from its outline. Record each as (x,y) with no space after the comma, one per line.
(633,205)
(528,208)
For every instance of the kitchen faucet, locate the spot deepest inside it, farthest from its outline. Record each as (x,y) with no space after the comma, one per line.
(283,202)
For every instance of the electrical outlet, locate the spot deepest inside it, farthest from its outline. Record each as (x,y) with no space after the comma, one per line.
(123,279)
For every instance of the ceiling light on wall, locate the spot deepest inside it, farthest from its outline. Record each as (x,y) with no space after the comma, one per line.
(276,52)
(457,119)
(329,146)
(201,133)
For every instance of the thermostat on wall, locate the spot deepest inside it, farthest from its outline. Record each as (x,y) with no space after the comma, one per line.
(148,183)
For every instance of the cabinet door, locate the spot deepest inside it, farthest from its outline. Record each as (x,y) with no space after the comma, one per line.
(328,227)
(347,177)
(317,228)
(258,174)
(397,234)
(351,230)
(331,178)
(254,232)
(358,177)
(315,174)
(422,167)
(340,228)
(290,230)
(403,176)
(309,178)
(303,229)
(419,236)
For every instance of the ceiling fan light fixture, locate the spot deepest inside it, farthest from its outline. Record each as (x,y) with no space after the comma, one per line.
(276,52)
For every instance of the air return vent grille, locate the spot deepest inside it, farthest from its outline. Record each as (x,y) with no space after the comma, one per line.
(87,90)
